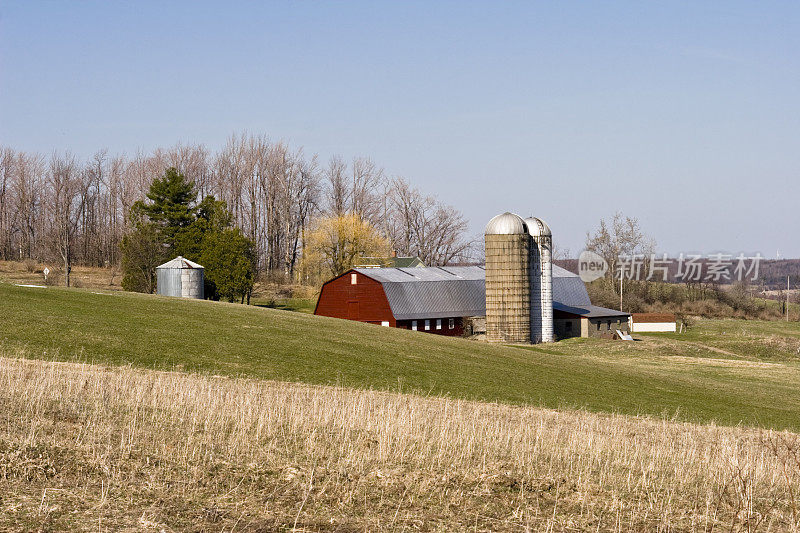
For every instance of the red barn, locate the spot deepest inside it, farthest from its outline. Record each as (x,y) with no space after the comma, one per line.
(438,299)
(432,299)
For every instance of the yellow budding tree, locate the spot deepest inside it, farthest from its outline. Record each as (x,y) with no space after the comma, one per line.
(335,243)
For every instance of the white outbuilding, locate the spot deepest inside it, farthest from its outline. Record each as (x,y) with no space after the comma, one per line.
(653,323)
(180,277)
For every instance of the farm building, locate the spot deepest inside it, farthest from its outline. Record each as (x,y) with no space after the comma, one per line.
(522,295)
(653,322)
(180,277)
(587,320)
(435,299)
(440,300)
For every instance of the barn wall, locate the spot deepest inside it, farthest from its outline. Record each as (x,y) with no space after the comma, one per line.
(365,301)
(457,331)
(566,325)
(599,327)
(562,330)
(584,327)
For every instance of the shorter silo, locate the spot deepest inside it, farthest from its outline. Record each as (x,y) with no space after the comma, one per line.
(180,277)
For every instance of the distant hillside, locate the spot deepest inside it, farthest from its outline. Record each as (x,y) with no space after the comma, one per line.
(772,272)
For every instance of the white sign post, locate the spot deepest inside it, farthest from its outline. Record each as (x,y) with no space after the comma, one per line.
(46,271)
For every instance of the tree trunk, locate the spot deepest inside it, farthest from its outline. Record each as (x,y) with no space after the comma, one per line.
(67,267)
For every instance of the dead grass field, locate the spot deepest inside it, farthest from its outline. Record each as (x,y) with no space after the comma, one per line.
(92,448)
(265,294)
(32,272)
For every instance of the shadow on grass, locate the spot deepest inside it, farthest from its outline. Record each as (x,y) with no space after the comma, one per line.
(536,349)
(296,305)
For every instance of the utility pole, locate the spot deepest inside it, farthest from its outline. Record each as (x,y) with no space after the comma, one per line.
(787,298)
(620,291)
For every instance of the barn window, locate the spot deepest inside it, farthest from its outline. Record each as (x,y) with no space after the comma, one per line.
(609,325)
(353,279)
(438,323)
(427,325)
(451,323)
(385,323)
(414,325)
(598,325)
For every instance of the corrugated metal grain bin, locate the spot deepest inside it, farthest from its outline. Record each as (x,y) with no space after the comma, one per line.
(180,277)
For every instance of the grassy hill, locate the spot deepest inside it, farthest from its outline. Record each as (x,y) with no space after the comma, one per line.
(730,372)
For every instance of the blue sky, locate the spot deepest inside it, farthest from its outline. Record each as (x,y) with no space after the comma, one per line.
(683,114)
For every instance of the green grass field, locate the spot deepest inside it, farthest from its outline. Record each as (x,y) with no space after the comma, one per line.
(301,305)
(726,371)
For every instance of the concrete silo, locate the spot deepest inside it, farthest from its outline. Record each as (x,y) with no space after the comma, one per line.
(508,284)
(541,267)
(180,277)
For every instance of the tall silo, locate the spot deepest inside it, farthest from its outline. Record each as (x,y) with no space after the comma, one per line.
(180,277)
(508,285)
(541,264)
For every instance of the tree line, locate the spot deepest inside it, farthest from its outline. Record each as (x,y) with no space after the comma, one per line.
(622,236)
(59,208)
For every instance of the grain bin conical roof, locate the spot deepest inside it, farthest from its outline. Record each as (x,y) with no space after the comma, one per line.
(180,262)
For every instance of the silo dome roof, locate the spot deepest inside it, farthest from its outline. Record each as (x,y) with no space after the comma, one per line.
(180,262)
(506,224)
(537,227)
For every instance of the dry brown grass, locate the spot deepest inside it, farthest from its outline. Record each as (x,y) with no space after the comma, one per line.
(32,272)
(110,278)
(93,448)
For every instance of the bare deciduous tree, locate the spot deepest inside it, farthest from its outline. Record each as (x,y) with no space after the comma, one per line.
(76,211)
(8,215)
(365,200)
(621,237)
(337,193)
(66,202)
(28,172)
(421,226)
(302,191)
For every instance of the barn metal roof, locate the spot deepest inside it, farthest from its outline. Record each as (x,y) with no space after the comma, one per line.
(570,290)
(589,311)
(413,275)
(442,292)
(432,292)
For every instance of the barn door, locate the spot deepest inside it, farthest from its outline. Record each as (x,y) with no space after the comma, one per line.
(352,310)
